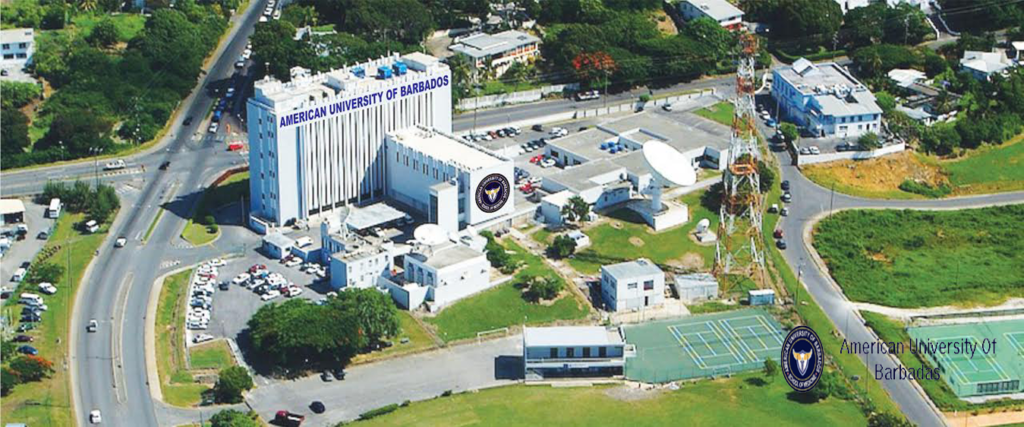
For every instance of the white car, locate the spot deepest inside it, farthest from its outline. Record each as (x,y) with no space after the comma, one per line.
(95,417)
(241,278)
(293,291)
(213,127)
(271,294)
(47,288)
(200,338)
(247,54)
(120,242)
(547,163)
(217,262)
(815,150)
(263,19)
(198,326)
(231,92)
(295,262)
(114,165)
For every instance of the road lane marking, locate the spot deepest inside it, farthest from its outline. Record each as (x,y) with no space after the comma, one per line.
(117,340)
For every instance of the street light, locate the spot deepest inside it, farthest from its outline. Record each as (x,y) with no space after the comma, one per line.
(95,152)
(61,143)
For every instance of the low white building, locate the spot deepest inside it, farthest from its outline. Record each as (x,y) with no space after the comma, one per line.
(696,287)
(983,65)
(551,207)
(499,51)
(357,261)
(277,245)
(572,351)
(439,275)
(17,47)
(632,285)
(1016,51)
(581,239)
(720,11)
(906,77)
(453,183)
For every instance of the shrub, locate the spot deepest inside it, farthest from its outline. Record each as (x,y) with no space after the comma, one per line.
(383,410)
(925,189)
(562,246)
(543,288)
(232,382)
(31,368)
(645,98)
(8,379)
(207,220)
(869,141)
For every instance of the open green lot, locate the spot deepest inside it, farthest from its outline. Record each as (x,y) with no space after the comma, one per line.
(212,355)
(504,306)
(419,340)
(721,112)
(176,382)
(627,237)
(727,402)
(990,170)
(48,402)
(233,189)
(923,259)
(128,24)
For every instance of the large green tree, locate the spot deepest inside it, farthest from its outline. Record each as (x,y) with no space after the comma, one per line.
(231,383)
(13,131)
(375,312)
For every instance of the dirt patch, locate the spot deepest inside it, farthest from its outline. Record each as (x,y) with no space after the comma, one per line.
(632,393)
(664,22)
(689,261)
(878,256)
(616,225)
(881,174)
(636,241)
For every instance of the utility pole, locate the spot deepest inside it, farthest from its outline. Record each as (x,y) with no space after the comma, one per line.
(832,200)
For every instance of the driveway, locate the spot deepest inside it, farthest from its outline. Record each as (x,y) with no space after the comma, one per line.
(424,376)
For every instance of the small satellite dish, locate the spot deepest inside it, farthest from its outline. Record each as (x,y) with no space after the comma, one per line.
(702,225)
(667,165)
(430,234)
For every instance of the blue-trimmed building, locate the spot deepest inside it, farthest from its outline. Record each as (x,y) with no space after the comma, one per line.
(825,99)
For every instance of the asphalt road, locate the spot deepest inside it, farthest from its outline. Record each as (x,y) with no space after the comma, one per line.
(109,366)
(810,201)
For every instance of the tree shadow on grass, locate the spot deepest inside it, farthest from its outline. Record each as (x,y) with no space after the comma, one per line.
(756,381)
(805,398)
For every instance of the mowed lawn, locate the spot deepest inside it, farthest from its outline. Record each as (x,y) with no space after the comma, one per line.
(728,402)
(212,355)
(721,112)
(633,239)
(923,259)
(418,339)
(128,24)
(992,170)
(176,382)
(504,306)
(231,190)
(47,403)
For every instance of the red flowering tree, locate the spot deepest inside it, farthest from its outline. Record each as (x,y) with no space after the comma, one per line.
(594,67)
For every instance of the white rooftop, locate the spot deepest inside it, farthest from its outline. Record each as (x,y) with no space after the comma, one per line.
(985,62)
(484,45)
(905,78)
(362,218)
(571,336)
(559,199)
(716,9)
(447,148)
(446,256)
(17,35)
(279,240)
(640,267)
(9,206)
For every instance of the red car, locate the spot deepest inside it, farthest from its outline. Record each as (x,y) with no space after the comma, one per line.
(536,159)
(288,419)
(526,188)
(777,233)
(257,267)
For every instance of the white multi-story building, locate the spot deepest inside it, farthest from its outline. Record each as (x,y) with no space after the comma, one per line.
(316,142)
(439,274)
(498,51)
(355,261)
(825,99)
(720,11)
(17,46)
(452,182)
(631,285)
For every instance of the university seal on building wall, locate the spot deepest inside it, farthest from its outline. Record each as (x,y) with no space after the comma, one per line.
(492,192)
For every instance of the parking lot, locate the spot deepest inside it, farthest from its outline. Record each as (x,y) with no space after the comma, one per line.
(24,250)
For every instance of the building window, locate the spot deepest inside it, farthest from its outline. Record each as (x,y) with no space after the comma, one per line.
(648,285)
(554,353)
(398,157)
(570,352)
(22,45)
(6,46)
(602,352)
(586,352)
(631,286)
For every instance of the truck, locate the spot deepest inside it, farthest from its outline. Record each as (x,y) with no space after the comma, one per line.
(115,165)
(288,419)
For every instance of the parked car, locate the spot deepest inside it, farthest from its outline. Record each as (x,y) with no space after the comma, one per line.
(213,128)
(667,107)
(317,407)
(95,417)
(815,150)
(781,244)
(201,338)
(29,350)
(31,318)
(339,374)
(43,235)
(537,127)
(787,197)
(546,163)
(271,294)
(47,288)
(785,185)
(326,376)
(777,233)
(805,151)
(288,419)
(784,212)
(24,338)
(165,165)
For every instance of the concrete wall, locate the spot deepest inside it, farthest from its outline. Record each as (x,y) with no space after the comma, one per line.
(594,112)
(849,155)
(514,97)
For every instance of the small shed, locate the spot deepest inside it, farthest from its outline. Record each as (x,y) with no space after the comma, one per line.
(581,239)
(12,211)
(277,245)
(762,297)
(696,287)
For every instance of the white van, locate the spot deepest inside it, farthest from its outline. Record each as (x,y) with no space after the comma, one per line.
(92,226)
(54,210)
(19,275)
(30,298)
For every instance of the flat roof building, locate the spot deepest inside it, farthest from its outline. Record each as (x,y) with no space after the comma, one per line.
(439,275)
(572,351)
(315,142)
(825,99)
(983,65)
(499,51)
(632,285)
(452,182)
(354,260)
(696,287)
(720,11)
(17,47)
(12,211)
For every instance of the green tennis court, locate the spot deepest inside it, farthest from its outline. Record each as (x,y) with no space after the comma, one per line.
(702,346)
(999,371)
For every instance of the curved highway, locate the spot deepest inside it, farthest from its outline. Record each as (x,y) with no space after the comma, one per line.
(810,202)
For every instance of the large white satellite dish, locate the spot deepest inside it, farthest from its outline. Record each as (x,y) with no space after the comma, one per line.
(668,167)
(430,234)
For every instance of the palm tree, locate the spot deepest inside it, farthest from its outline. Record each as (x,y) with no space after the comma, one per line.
(87,5)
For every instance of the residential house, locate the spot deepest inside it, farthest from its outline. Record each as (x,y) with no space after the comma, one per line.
(498,51)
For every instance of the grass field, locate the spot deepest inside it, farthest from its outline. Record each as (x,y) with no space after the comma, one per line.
(212,355)
(990,170)
(48,402)
(229,191)
(419,339)
(727,402)
(504,306)
(923,259)
(721,112)
(633,239)
(128,24)
(175,381)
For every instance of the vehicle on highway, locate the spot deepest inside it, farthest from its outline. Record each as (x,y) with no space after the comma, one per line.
(537,127)
(120,242)
(93,325)
(165,165)
(224,286)
(115,165)
(23,338)
(339,374)
(246,54)
(326,376)
(588,95)
(188,121)
(240,64)
(785,185)
(787,197)
(213,128)
(317,407)
(667,107)
(288,419)
(95,417)
(47,288)
(29,350)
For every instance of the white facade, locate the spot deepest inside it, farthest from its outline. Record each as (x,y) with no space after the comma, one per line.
(499,51)
(825,99)
(983,65)
(17,47)
(316,142)
(441,274)
(720,11)
(632,285)
(355,261)
(572,351)
(440,176)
